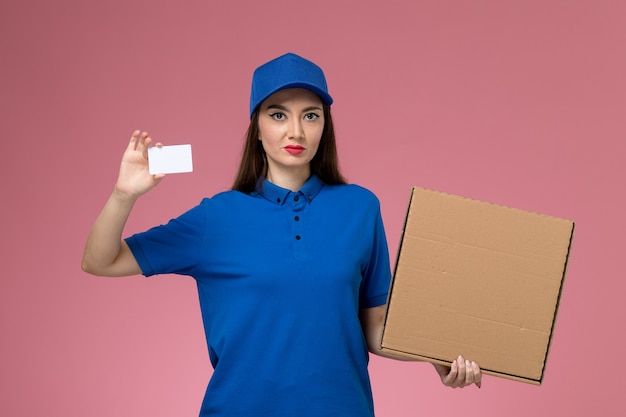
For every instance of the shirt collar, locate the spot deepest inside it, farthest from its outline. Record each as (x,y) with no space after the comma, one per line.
(279,195)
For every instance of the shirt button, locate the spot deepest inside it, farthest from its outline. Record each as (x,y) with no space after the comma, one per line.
(310,197)
(278,200)
(297,218)
(296,198)
(297,237)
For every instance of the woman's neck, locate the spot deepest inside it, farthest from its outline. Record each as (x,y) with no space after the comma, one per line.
(289,179)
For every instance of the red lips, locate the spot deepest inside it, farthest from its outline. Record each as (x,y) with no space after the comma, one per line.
(294,149)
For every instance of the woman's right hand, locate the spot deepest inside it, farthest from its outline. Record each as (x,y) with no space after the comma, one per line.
(134,177)
(106,254)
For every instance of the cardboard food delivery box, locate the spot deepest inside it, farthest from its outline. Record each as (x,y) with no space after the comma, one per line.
(479,280)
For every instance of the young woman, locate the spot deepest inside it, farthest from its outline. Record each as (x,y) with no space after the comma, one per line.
(291,265)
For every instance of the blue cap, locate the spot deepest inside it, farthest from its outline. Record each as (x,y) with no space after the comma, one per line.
(287,71)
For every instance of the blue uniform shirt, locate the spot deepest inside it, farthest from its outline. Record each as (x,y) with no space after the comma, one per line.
(281,277)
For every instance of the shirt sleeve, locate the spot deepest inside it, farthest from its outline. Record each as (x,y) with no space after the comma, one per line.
(172,248)
(377,273)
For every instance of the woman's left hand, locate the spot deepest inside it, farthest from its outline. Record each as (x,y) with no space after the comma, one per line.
(460,374)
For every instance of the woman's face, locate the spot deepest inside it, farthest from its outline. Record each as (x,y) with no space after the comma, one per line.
(291,123)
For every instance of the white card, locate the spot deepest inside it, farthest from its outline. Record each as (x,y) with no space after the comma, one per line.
(170,159)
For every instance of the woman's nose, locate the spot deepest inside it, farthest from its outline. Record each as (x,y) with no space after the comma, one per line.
(295,129)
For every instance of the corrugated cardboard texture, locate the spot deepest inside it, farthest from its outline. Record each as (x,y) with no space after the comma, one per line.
(477,279)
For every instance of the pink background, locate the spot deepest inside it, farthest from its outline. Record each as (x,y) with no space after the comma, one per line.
(520,103)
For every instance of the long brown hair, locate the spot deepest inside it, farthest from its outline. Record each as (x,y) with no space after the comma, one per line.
(253,165)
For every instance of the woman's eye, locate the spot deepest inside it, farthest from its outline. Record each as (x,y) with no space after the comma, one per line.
(311,116)
(277,116)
